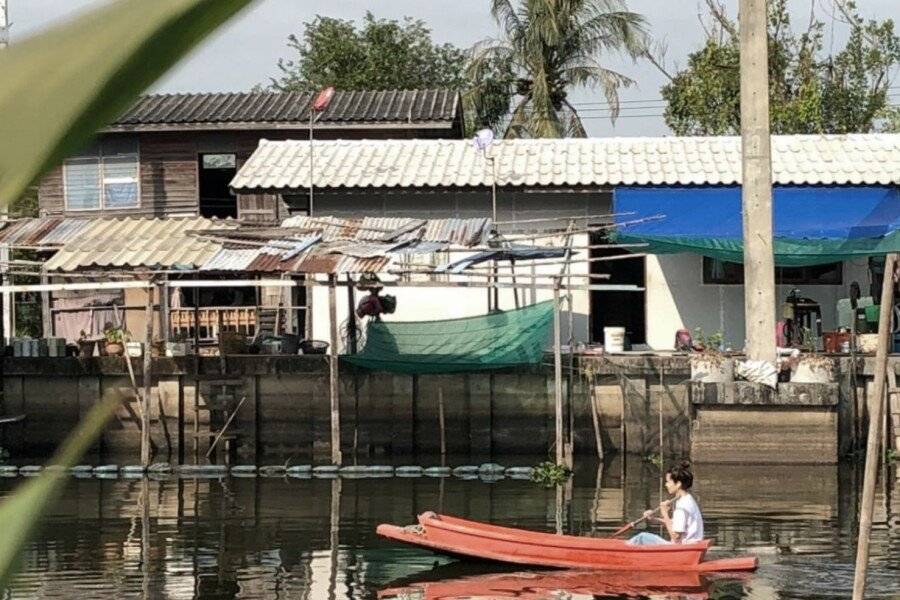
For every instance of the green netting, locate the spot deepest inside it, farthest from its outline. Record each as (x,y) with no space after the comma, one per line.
(503,339)
(788,252)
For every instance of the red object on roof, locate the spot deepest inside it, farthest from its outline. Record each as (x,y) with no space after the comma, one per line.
(323,99)
(456,536)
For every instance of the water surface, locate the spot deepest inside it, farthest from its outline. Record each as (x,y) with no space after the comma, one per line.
(314,538)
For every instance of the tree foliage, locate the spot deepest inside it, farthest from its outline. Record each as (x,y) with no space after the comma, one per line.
(548,48)
(809,91)
(381,54)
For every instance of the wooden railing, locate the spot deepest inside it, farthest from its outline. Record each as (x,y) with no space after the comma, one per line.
(212,320)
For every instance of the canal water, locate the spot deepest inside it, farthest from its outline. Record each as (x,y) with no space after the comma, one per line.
(315,538)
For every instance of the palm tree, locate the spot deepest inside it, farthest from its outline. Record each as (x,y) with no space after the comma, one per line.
(546,48)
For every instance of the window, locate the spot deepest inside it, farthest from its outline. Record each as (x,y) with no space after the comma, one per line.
(728,273)
(219,161)
(103,176)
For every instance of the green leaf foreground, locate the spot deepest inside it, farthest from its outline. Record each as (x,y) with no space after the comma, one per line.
(60,87)
(20,512)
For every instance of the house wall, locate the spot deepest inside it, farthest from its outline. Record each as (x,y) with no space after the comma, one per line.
(169,172)
(418,304)
(677,298)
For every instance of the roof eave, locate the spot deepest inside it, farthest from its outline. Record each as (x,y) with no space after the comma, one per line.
(272,126)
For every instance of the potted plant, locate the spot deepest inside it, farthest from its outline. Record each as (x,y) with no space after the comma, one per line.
(115,345)
(812,367)
(708,363)
(85,346)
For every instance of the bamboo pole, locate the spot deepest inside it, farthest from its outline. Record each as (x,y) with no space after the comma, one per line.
(876,405)
(333,373)
(557,376)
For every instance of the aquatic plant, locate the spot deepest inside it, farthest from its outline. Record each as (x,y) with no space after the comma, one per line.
(58,89)
(550,474)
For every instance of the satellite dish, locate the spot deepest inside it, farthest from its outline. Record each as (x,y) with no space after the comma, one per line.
(483,139)
(322,99)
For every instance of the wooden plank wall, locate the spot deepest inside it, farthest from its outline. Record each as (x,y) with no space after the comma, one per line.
(169,171)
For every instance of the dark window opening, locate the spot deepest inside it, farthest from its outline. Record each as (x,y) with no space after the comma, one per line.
(728,273)
(617,308)
(216,171)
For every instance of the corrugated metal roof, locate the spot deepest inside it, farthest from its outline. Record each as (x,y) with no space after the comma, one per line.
(346,108)
(134,242)
(45,231)
(796,159)
(336,245)
(459,232)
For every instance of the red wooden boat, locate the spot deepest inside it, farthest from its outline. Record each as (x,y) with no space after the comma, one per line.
(452,535)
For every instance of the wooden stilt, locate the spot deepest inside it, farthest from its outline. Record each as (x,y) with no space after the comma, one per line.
(441,425)
(595,417)
(876,405)
(351,316)
(148,383)
(333,373)
(557,377)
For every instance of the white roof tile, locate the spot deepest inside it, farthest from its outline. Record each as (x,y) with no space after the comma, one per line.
(799,159)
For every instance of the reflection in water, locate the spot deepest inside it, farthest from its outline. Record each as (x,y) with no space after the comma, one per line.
(315,539)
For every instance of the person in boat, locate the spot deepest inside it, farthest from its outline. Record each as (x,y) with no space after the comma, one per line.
(684,524)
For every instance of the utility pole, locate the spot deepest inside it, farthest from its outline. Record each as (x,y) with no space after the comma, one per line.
(756,188)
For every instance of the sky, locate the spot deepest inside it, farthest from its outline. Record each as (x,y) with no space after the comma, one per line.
(245,51)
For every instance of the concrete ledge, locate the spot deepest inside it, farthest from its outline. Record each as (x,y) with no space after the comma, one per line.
(744,393)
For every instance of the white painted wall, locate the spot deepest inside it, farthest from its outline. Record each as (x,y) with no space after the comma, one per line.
(677,298)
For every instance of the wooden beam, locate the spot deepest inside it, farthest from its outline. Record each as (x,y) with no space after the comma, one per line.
(334,387)
(46,313)
(876,406)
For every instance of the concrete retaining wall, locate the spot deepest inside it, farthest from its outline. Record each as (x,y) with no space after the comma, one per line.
(285,411)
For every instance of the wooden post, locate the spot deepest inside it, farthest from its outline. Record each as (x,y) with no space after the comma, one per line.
(595,417)
(46,313)
(163,289)
(334,391)
(441,425)
(756,190)
(557,376)
(351,316)
(9,299)
(148,383)
(876,405)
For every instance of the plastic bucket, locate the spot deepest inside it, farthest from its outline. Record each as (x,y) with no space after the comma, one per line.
(614,339)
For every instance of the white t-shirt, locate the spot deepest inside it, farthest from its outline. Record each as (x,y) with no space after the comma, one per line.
(687,520)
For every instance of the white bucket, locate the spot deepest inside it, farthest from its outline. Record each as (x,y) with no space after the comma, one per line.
(614,339)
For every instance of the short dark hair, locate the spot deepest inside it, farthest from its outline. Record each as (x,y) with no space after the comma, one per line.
(681,473)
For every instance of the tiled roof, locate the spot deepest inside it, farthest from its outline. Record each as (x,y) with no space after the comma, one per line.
(796,159)
(134,242)
(346,108)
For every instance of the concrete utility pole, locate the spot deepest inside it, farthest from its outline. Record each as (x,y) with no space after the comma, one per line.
(756,191)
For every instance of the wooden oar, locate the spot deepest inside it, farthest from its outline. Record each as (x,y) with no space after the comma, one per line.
(636,522)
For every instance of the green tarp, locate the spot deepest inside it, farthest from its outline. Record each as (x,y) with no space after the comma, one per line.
(502,339)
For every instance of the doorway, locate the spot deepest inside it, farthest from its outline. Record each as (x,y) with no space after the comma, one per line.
(215,172)
(617,308)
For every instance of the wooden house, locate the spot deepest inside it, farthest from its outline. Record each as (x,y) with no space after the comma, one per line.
(174,155)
